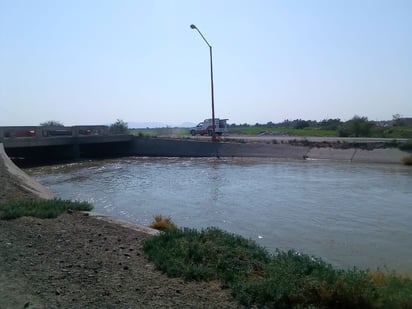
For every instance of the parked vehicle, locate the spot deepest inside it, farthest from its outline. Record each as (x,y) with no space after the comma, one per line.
(206,127)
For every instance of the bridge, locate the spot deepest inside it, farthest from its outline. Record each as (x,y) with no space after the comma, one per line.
(63,142)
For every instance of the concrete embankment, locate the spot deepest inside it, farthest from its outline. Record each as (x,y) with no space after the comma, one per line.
(386,156)
(159,147)
(162,147)
(14,183)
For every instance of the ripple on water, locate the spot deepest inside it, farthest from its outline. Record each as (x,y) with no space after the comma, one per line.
(349,214)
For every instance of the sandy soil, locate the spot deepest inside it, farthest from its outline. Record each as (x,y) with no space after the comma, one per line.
(80,261)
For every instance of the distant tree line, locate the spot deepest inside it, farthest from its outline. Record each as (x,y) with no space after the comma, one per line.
(118,127)
(355,127)
(327,124)
(52,123)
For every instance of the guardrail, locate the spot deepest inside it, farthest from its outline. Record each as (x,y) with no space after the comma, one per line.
(51,131)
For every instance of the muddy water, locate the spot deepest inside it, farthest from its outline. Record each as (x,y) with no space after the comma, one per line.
(348,214)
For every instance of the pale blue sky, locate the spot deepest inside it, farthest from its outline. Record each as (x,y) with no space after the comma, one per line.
(92,62)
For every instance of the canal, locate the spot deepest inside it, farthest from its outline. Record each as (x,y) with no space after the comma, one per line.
(348,214)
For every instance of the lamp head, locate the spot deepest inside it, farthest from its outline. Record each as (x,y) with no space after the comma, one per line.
(193,26)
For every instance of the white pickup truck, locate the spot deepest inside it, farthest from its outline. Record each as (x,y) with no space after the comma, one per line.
(205,127)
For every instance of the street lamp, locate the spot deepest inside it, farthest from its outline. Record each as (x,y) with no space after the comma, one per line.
(211,82)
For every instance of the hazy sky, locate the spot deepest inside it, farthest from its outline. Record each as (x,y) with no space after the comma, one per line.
(92,62)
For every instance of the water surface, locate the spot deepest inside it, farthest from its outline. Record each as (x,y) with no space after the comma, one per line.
(348,214)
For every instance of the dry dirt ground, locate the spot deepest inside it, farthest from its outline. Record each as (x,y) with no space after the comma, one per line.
(80,261)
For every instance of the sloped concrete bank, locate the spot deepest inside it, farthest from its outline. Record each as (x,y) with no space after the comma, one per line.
(14,183)
(162,147)
(385,156)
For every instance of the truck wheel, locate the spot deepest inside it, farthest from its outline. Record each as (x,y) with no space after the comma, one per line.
(193,132)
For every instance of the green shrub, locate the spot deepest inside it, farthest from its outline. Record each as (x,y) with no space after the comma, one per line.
(119,127)
(52,123)
(407,160)
(356,127)
(391,144)
(280,280)
(292,279)
(207,255)
(395,290)
(39,208)
(155,132)
(406,145)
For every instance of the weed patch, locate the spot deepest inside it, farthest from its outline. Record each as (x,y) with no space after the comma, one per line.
(406,145)
(39,208)
(280,280)
(407,160)
(395,290)
(160,223)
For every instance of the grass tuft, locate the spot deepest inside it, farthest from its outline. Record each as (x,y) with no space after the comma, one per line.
(39,208)
(394,289)
(162,224)
(280,280)
(406,145)
(407,160)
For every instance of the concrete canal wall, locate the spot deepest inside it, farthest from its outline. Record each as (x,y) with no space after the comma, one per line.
(386,155)
(14,183)
(161,147)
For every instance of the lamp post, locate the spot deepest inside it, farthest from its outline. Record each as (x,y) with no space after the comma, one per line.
(211,82)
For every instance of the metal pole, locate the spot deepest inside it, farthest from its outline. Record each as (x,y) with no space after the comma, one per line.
(213,96)
(211,83)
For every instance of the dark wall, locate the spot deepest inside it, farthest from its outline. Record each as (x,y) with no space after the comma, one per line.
(105,150)
(155,147)
(43,155)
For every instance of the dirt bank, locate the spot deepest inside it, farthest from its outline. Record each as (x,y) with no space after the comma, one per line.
(80,261)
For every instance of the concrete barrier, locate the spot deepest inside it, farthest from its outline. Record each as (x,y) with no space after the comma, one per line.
(388,155)
(8,171)
(163,147)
